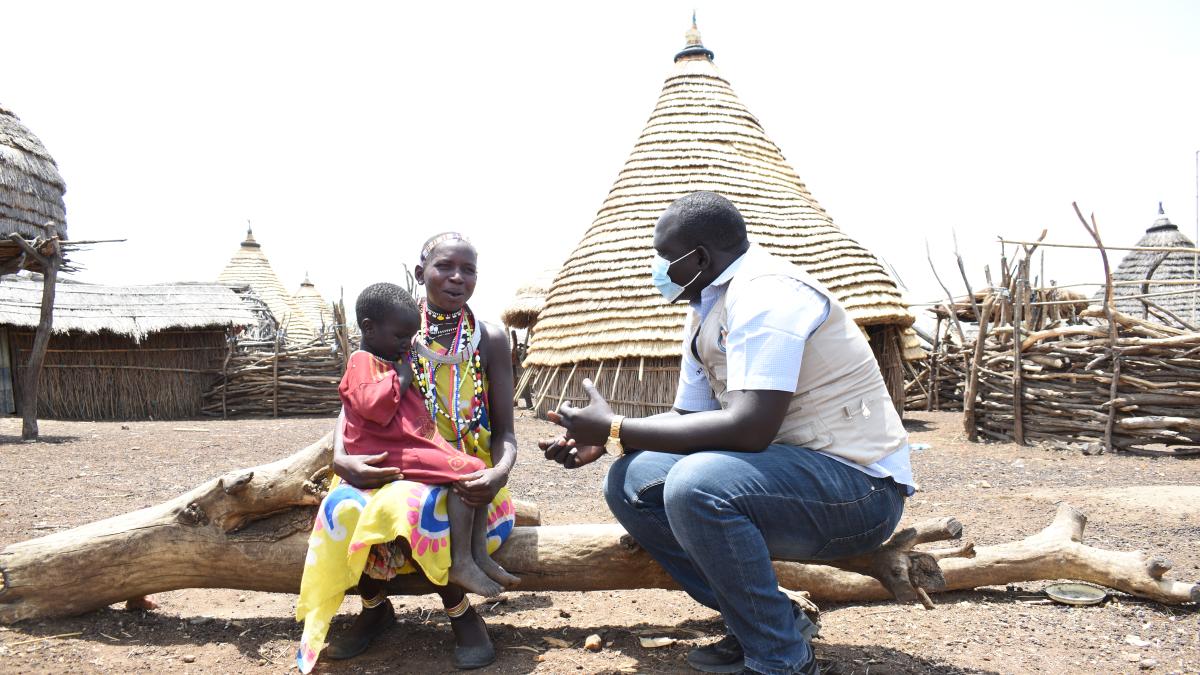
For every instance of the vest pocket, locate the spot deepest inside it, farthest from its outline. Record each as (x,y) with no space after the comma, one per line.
(864,430)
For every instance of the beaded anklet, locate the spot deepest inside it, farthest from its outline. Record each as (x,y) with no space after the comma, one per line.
(460,609)
(372,603)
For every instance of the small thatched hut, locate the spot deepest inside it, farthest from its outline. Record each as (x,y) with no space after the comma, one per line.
(120,352)
(31,189)
(522,312)
(1161,272)
(315,308)
(249,267)
(604,320)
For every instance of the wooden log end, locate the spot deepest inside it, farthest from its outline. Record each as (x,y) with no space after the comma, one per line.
(936,529)
(1069,522)
(1158,566)
(234,483)
(964,550)
(527,512)
(925,599)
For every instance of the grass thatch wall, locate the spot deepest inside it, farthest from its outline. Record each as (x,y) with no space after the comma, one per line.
(634,387)
(639,387)
(103,376)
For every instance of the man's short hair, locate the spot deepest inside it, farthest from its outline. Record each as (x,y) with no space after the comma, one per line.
(377,300)
(710,219)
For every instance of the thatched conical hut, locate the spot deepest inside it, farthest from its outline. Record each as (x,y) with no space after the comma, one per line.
(1161,272)
(522,312)
(315,308)
(604,320)
(249,267)
(31,189)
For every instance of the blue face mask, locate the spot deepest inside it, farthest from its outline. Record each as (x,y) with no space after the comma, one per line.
(659,271)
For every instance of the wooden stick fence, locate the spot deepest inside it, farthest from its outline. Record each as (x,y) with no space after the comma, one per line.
(1040,371)
(269,379)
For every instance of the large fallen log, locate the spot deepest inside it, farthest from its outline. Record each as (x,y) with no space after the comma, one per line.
(249,530)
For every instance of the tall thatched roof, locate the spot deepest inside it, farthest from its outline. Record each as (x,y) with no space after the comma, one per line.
(249,267)
(313,305)
(31,189)
(699,137)
(523,311)
(1157,266)
(131,311)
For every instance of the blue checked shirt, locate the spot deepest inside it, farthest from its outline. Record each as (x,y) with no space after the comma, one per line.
(768,323)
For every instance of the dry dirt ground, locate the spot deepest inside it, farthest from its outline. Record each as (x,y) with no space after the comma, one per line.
(1000,492)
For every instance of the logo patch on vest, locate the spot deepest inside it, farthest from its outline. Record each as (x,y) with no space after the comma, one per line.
(722,338)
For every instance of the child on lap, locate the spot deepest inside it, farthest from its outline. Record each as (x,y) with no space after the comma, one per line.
(386,415)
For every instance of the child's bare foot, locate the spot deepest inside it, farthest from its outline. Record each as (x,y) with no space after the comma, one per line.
(480,553)
(496,572)
(468,575)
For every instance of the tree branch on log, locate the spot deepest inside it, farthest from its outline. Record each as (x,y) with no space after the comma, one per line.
(249,530)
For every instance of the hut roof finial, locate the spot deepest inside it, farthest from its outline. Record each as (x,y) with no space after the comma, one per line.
(249,242)
(1163,222)
(693,48)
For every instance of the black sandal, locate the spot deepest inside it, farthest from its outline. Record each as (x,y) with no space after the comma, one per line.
(478,656)
(350,646)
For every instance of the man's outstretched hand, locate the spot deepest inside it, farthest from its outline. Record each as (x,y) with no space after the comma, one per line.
(586,430)
(586,426)
(565,452)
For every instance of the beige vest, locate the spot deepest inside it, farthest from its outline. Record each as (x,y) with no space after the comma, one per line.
(841,406)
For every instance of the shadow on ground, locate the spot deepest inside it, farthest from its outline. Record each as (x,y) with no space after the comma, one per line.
(424,637)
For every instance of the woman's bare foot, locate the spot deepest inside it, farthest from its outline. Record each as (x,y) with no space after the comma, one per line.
(496,572)
(468,575)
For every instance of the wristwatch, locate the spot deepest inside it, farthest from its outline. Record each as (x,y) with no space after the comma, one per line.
(613,444)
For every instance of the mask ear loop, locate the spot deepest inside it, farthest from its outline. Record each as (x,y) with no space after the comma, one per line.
(698,272)
(684,287)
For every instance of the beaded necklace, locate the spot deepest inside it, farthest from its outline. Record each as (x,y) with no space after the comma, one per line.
(425,375)
(439,328)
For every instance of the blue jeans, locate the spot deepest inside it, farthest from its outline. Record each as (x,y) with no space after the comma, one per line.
(715,519)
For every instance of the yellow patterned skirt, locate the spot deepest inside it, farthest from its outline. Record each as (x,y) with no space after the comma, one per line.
(358,531)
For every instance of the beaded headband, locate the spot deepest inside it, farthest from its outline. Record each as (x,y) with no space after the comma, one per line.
(442,238)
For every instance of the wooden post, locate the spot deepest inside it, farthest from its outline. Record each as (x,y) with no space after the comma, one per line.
(340,333)
(275,379)
(616,378)
(31,381)
(1112,400)
(1109,315)
(1018,311)
(973,372)
(566,383)
(230,340)
(931,396)
(545,388)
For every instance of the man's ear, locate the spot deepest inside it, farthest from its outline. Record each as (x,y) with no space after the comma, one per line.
(367,326)
(703,259)
(419,274)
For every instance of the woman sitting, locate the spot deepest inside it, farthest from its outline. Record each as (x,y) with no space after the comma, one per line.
(375,525)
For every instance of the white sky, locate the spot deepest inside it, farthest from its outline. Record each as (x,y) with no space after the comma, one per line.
(348,132)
